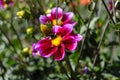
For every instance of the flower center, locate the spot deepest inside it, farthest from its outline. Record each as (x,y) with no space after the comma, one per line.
(56,41)
(54,22)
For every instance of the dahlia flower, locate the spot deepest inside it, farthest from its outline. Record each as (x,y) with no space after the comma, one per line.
(61,18)
(57,43)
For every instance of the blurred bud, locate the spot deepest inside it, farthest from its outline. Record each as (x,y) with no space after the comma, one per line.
(51,5)
(25,51)
(44,29)
(20,14)
(6,6)
(85,2)
(29,30)
(85,70)
(110,5)
(99,24)
(48,11)
(74,3)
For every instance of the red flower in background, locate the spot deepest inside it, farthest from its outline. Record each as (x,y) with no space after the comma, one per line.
(84,2)
(2,4)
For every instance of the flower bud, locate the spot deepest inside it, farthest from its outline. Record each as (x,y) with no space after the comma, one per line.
(25,51)
(29,30)
(20,14)
(45,29)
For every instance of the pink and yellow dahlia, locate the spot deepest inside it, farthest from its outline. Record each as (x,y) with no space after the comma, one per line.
(61,18)
(56,44)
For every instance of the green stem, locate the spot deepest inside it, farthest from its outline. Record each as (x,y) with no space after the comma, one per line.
(108,11)
(18,37)
(12,27)
(82,20)
(102,36)
(86,34)
(8,40)
(73,76)
(63,70)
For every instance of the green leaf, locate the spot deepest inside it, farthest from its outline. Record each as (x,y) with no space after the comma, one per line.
(92,23)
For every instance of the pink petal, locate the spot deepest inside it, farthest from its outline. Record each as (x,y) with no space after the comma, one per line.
(67,17)
(34,51)
(66,29)
(48,51)
(70,43)
(41,45)
(44,40)
(60,53)
(53,12)
(56,29)
(43,19)
(72,23)
(45,48)
(77,37)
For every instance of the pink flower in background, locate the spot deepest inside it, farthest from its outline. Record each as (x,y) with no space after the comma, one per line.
(61,18)
(10,2)
(56,45)
(2,4)
(5,4)
(110,4)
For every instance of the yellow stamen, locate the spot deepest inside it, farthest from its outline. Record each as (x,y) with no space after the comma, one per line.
(56,41)
(54,22)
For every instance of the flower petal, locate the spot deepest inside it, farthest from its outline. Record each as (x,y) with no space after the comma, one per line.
(45,48)
(34,51)
(53,12)
(70,43)
(45,18)
(60,53)
(72,23)
(66,29)
(67,17)
(48,51)
(56,29)
(77,37)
